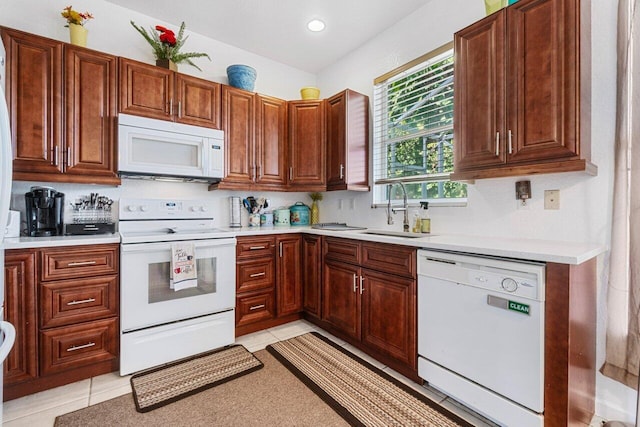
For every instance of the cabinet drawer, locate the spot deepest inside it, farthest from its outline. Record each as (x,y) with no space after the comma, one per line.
(253,247)
(342,250)
(254,275)
(80,261)
(254,308)
(72,301)
(393,259)
(76,346)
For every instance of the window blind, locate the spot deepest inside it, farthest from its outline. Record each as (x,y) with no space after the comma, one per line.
(413,129)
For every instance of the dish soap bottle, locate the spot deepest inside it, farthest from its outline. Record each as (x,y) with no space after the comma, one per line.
(425,221)
(417,223)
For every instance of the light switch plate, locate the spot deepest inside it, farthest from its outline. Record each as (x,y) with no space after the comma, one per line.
(552,199)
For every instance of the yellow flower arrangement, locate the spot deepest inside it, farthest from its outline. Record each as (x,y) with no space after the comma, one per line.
(75,17)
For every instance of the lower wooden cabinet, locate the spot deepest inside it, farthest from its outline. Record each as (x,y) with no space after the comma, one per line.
(311,275)
(289,274)
(67,328)
(340,291)
(71,347)
(369,299)
(268,281)
(21,364)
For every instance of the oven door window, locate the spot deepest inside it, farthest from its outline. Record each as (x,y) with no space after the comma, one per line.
(160,289)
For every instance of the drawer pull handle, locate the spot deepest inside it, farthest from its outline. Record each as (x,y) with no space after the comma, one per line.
(255,307)
(255,248)
(258,274)
(82,301)
(80,347)
(77,264)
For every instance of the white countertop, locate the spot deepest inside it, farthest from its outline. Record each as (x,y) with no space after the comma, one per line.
(43,242)
(530,249)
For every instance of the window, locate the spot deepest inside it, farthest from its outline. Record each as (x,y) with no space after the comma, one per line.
(413,131)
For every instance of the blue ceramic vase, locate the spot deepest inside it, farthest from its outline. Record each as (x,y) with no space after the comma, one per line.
(242,77)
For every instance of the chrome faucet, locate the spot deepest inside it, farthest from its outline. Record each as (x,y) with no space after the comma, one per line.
(405,207)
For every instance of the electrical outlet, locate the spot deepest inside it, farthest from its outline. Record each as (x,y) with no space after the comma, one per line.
(552,199)
(352,204)
(339,204)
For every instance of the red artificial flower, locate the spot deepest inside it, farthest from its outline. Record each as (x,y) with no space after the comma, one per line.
(166,36)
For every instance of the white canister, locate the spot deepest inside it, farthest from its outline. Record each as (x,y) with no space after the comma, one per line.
(281,216)
(254,220)
(266,219)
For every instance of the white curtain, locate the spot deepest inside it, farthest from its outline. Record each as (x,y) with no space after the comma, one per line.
(622,361)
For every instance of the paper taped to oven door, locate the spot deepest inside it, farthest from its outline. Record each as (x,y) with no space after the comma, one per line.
(183,266)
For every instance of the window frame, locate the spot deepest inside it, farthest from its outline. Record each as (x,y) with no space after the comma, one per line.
(380,185)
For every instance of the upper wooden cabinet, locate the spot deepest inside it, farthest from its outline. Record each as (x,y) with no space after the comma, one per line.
(520,107)
(62,107)
(271,142)
(307,144)
(150,91)
(255,141)
(348,141)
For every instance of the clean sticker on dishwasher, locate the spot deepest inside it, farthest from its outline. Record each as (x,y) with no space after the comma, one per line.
(508,304)
(519,307)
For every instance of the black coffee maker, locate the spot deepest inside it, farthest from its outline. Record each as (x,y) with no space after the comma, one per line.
(45,209)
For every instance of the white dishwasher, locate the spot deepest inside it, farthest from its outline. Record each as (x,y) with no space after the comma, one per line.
(481,333)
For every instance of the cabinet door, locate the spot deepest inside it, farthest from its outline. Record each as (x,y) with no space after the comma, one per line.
(20,309)
(198,101)
(289,274)
(311,274)
(348,141)
(34,82)
(341,298)
(238,120)
(479,94)
(271,142)
(90,99)
(543,80)
(146,90)
(307,142)
(389,315)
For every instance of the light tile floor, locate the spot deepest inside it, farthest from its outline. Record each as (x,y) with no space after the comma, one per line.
(41,409)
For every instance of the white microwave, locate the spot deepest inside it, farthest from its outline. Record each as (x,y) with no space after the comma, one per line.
(156,149)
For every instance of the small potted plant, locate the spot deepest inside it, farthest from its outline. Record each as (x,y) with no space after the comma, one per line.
(166,46)
(75,23)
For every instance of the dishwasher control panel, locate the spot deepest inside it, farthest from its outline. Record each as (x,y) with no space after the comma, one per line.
(522,279)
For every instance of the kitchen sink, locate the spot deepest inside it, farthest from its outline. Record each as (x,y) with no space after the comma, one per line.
(406,234)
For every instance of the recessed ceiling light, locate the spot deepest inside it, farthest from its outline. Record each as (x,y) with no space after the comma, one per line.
(315,25)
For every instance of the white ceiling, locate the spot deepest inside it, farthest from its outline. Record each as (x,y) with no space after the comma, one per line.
(276,29)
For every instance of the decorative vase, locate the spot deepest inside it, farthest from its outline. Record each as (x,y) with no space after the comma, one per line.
(310,92)
(315,213)
(242,76)
(492,6)
(78,35)
(167,63)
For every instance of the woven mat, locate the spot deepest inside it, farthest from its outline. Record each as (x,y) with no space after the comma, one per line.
(160,386)
(361,393)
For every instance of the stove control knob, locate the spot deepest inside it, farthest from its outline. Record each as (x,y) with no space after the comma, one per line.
(194,209)
(144,208)
(203,208)
(509,285)
(132,208)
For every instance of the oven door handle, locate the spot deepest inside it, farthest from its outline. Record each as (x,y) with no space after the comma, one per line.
(163,246)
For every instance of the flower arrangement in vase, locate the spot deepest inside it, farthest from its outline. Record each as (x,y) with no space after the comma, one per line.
(75,23)
(315,210)
(166,46)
